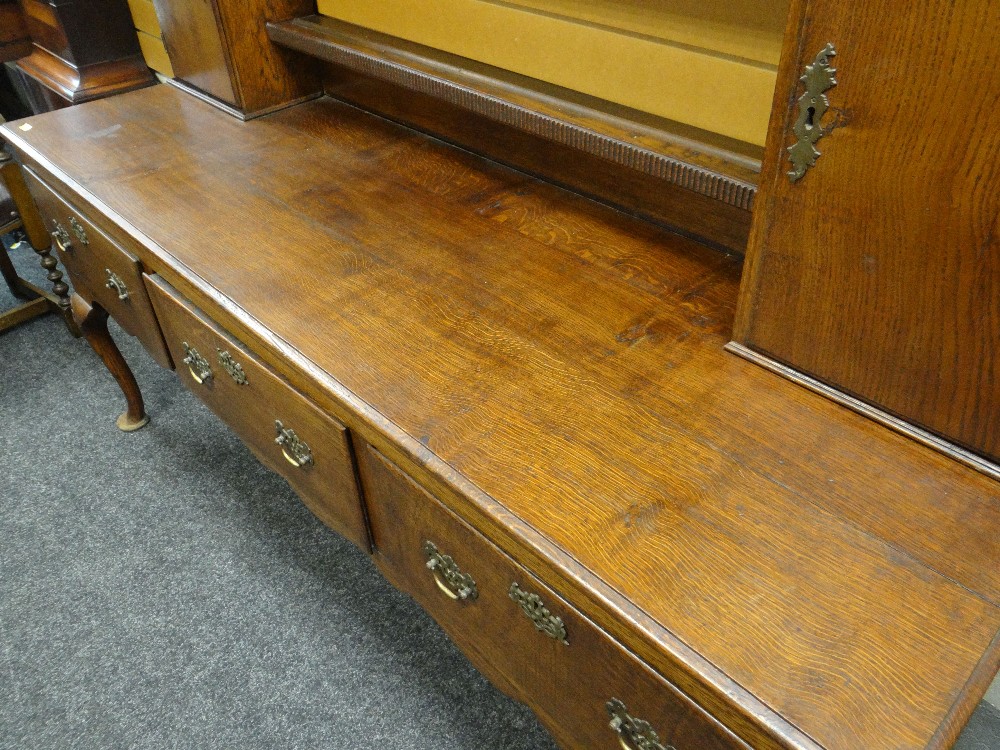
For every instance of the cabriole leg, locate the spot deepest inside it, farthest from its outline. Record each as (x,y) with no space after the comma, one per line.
(93,323)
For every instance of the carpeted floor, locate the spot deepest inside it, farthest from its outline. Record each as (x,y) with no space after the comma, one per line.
(161,589)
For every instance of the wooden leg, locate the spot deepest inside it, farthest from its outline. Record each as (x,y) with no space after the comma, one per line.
(7,269)
(38,236)
(59,287)
(60,290)
(93,323)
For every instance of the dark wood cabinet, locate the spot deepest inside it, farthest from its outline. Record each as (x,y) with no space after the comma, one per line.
(14,39)
(81,51)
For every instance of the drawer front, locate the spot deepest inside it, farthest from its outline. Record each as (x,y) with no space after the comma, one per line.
(519,632)
(286,431)
(100,270)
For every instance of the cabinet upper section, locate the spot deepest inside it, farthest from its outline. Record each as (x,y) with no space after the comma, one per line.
(876,272)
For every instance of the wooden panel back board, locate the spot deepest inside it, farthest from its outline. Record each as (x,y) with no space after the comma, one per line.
(722,93)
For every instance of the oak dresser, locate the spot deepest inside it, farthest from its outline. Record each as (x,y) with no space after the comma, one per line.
(519,400)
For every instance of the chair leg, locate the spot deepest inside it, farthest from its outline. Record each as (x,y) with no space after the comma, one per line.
(10,275)
(93,323)
(38,237)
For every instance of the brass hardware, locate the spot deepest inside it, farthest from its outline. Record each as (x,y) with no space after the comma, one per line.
(115,284)
(449,578)
(198,366)
(296,452)
(61,237)
(633,734)
(234,368)
(813,104)
(78,230)
(538,613)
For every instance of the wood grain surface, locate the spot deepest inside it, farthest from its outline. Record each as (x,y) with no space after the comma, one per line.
(658,169)
(553,371)
(877,272)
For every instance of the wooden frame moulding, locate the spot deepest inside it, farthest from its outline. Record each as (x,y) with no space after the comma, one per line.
(696,183)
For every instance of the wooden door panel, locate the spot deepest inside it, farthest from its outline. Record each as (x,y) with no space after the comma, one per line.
(877,272)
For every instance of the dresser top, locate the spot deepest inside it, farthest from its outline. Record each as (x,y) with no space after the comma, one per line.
(560,365)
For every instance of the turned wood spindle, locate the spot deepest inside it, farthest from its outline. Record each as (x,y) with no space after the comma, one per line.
(38,236)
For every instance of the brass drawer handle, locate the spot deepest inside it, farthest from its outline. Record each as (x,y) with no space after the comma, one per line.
(296,452)
(115,284)
(538,613)
(633,734)
(198,366)
(78,230)
(234,368)
(449,578)
(61,237)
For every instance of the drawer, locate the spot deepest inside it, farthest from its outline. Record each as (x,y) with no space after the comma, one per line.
(100,270)
(286,431)
(588,689)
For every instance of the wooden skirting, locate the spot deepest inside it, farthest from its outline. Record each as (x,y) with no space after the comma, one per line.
(929,439)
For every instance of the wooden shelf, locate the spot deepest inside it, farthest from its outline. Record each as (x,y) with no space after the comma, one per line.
(630,146)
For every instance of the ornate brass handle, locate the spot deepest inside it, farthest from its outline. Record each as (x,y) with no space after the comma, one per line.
(633,734)
(198,366)
(115,284)
(61,237)
(234,368)
(296,452)
(449,578)
(78,230)
(538,613)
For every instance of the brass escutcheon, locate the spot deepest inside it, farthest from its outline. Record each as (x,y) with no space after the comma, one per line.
(538,613)
(198,366)
(455,584)
(230,365)
(633,734)
(78,230)
(115,284)
(296,452)
(813,104)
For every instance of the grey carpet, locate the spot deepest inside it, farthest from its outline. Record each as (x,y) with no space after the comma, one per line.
(162,590)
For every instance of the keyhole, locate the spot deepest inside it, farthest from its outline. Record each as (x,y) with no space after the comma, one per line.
(810,113)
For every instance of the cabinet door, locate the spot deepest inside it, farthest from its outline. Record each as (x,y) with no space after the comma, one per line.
(877,272)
